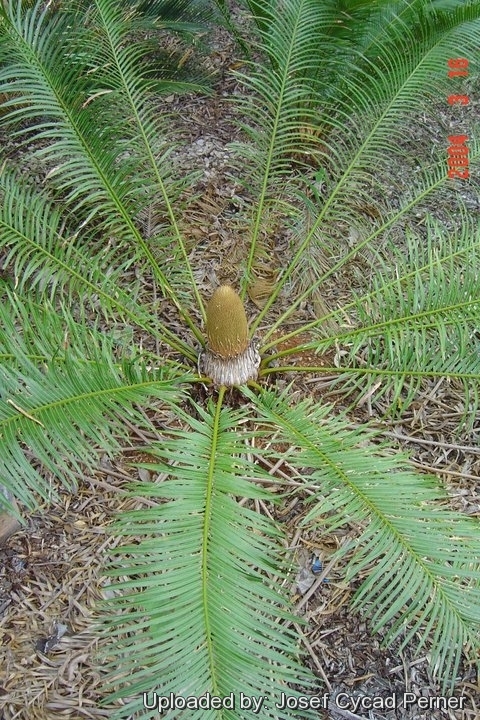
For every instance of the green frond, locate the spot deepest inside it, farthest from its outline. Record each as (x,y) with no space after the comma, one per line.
(185,18)
(414,324)
(45,253)
(120,58)
(62,396)
(394,37)
(423,559)
(361,129)
(52,94)
(103,165)
(199,597)
(286,100)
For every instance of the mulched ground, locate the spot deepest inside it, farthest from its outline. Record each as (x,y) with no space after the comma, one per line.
(51,570)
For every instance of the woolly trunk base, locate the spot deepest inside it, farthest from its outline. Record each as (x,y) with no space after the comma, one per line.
(237,370)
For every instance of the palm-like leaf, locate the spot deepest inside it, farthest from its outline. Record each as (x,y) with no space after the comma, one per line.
(89,143)
(63,395)
(414,324)
(45,253)
(425,572)
(219,626)
(357,152)
(332,100)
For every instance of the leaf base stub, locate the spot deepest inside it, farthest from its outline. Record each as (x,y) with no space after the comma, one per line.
(237,370)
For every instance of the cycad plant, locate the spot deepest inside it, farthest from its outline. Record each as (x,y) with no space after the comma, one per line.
(344,274)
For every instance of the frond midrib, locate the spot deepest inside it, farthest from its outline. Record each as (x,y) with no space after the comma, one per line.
(362,148)
(161,184)
(269,160)
(210,479)
(116,299)
(374,512)
(72,126)
(39,409)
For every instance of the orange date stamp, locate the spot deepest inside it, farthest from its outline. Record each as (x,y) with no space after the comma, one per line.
(457,151)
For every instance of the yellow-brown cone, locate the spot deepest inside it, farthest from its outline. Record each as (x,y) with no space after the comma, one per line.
(227,326)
